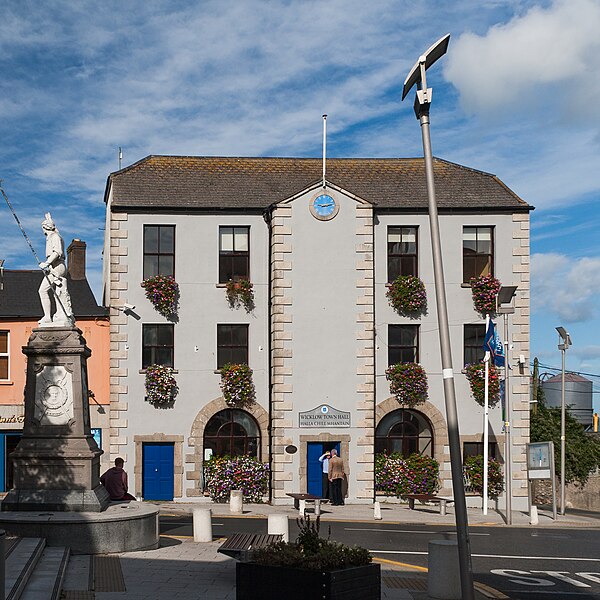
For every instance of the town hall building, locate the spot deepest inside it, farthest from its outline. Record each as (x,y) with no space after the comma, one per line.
(321,333)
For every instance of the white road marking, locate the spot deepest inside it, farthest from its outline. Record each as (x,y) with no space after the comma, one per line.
(409,531)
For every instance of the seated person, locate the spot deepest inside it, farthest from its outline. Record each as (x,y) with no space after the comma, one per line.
(115,482)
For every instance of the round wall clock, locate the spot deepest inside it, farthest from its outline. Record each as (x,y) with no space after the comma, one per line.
(323,206)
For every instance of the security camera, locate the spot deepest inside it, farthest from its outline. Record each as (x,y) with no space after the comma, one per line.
(128,306)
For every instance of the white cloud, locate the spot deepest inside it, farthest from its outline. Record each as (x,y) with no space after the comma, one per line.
(509,66)
(569,288)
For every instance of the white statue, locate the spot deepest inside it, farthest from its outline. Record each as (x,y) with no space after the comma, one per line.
(55,280)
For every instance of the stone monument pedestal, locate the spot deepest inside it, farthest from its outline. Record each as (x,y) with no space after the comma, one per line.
(57,461)
(57,492)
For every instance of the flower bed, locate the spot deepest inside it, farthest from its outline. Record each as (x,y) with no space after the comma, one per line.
(246,473)
(161,387)
(407,295)
(408,382)
(476,375)
(163,292)
(485,291)
(237,385)
(240,292)
(473,472)
(397,476)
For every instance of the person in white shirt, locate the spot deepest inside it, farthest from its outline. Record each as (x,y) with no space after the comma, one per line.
(324,460)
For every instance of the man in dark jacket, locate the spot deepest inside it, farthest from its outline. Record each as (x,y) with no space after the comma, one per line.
(115,482)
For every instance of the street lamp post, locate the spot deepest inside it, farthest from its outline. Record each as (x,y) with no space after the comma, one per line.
(505,296)
(417,76)
(566,342)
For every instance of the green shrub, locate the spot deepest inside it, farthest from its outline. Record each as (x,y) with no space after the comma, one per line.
(310,551)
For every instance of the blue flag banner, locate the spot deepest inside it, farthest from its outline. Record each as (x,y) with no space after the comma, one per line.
(494,345)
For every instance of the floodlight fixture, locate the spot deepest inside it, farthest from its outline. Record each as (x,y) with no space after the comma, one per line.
(431,55)
(506,294)
(564,335)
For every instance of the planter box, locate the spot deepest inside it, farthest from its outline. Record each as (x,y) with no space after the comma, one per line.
(262,582)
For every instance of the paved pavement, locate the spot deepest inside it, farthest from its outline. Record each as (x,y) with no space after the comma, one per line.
(183,569)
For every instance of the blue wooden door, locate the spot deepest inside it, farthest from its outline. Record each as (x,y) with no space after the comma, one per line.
(158,471)
(314,469)
(314,479)
(8,442)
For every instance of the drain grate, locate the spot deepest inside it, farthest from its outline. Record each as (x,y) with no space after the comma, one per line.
(405,583)
(77,595)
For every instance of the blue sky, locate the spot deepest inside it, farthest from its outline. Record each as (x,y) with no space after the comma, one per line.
(518,95)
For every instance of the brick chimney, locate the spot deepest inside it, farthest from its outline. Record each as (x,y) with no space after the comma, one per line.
(76,259)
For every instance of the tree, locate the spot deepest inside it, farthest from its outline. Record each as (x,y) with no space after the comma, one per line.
(582,451)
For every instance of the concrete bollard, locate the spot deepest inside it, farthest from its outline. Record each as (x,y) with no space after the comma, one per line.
(278,524)
(236,502)
(533,515)
(202,525)
(443,578)
(377,511)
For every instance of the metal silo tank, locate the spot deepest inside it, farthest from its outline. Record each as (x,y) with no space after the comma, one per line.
(578,395)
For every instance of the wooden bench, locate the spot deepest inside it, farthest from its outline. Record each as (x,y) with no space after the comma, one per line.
(300,501)
(441,500)
(238,545)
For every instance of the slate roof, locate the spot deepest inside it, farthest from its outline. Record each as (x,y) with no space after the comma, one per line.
(209,182)
(19,296)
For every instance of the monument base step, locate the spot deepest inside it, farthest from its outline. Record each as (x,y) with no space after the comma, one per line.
(124,527)
(38,501)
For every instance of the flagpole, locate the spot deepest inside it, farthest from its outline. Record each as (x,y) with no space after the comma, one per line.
(486,413)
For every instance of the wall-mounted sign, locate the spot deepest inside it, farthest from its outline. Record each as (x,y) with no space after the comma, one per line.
(324,416)
(13,419)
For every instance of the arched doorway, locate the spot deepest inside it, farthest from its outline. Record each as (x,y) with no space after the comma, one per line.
(406,432)
(232,432)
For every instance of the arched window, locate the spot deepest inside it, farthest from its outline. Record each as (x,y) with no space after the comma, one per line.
(232,432)
(404,431)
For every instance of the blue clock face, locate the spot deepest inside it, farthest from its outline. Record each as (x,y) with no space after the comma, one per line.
(324,207)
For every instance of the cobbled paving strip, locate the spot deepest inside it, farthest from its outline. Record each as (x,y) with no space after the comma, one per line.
(106,574)
(405,583)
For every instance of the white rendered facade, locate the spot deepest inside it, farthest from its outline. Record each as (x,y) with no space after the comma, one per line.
(318,335)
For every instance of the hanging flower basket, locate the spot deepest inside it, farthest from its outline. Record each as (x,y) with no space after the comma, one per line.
(408,382)
(239,292)
(161,387)
(163,292)
(237,385)
(485,291)
(476,375)
(407,295)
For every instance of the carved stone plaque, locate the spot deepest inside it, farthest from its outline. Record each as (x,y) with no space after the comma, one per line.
(324,416)
(54,396)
